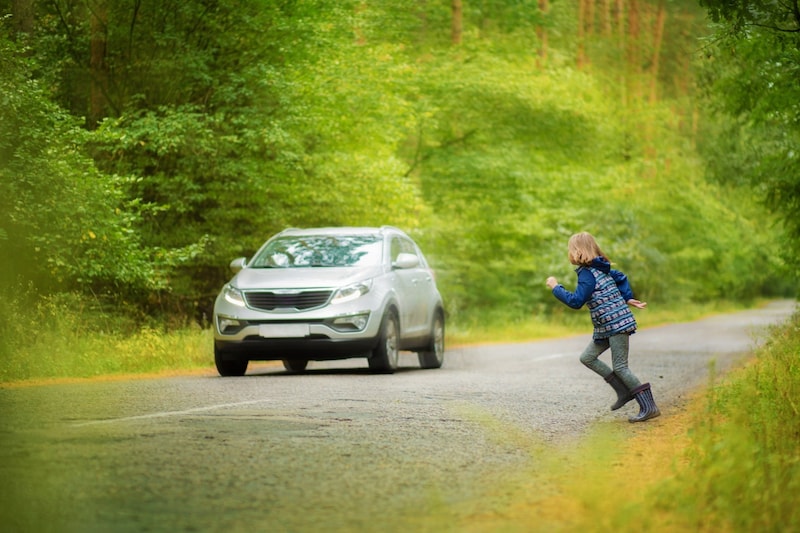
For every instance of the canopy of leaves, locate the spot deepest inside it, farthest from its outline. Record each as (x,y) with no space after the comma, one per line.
(145,145)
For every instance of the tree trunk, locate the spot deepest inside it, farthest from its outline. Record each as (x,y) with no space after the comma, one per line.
(590,16)
(541,33)
(658,39)
(361,40)
(634,51)
(22,11)
(581,33)
(458,22)
(97,63)
(605,17)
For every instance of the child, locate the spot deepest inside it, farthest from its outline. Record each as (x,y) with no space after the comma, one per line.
(607,294)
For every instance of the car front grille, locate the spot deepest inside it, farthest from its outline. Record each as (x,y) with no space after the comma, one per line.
(269,301)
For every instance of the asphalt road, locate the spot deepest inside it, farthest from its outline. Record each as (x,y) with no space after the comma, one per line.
(335,449)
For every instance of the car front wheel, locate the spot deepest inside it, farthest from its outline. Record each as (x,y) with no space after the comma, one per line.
(433,355)
(386,353)
(295,365)
(229,367)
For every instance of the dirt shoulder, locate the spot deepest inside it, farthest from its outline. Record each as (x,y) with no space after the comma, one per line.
(605,482)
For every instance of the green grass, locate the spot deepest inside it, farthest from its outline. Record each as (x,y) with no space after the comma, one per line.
(744,457)
(67,336)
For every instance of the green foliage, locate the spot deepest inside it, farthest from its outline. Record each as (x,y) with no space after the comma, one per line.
(62,222)
(80,337)
(210,127)
(751,73)
(744,466)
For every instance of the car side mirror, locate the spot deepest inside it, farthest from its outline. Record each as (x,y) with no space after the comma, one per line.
(238,264)
(405,260)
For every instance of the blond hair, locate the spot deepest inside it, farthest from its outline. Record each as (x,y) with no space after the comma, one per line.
(582,249)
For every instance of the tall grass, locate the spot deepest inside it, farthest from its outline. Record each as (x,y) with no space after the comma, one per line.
(70,336)
(744,459)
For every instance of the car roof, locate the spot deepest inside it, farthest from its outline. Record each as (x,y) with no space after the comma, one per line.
(341,230)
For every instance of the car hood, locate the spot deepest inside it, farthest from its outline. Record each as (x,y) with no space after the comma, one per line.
(299,278)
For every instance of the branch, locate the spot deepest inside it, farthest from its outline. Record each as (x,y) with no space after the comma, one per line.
(67,29)
(775,28)
(136,7)
(420,158)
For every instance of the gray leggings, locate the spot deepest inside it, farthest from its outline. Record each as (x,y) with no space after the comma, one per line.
(619,359)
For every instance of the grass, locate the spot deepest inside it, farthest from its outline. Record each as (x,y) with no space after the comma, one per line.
(66,336)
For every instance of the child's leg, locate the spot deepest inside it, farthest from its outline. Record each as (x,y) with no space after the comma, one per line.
(619,359)
(590,355)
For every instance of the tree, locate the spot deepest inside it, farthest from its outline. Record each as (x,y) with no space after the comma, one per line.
(64,225)
(458,22)
(752,70)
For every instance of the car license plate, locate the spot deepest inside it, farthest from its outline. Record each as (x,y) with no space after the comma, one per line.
(283,331)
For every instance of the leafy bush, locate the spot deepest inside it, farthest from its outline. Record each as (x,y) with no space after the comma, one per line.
(62,223)
(77,337)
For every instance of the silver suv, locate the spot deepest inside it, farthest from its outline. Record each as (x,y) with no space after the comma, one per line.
(330,293)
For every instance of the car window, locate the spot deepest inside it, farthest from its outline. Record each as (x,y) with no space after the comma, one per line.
(395,248)
(406,246)
(320,251)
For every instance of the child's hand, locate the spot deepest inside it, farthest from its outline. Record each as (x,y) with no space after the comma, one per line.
(551,282)
(637,304)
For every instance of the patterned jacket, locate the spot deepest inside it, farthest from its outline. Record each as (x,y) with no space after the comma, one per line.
(605,292)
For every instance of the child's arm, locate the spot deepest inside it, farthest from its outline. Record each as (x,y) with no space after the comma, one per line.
(622,284)
(582,293)
(625,289)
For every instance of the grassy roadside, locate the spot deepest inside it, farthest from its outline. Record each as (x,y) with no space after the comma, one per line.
(728,460)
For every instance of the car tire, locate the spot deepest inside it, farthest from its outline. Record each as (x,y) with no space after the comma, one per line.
(295,365)
(229,367)
(433,355)
(386,354)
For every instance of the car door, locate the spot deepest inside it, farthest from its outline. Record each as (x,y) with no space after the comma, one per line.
(411,289)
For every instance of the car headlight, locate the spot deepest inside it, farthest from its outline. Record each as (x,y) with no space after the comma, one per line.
(351,292)
(233,295)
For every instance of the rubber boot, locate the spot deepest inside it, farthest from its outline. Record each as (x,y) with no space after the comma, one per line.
(647,405)
(623,394)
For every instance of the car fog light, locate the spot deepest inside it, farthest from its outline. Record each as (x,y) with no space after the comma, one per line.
(351,322)
(228,325)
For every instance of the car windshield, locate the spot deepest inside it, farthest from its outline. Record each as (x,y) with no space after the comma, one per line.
(320,251)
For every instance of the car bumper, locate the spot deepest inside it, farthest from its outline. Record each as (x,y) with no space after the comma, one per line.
(315,349)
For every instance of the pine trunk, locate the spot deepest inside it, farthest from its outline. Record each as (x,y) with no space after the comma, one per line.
(458,22)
